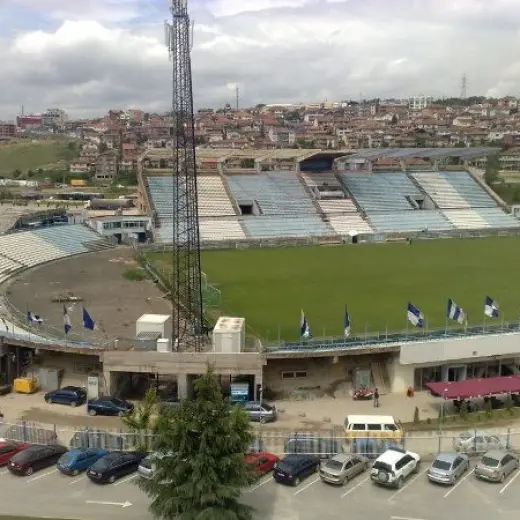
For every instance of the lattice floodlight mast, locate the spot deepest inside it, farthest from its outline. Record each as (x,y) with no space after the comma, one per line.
(187,312)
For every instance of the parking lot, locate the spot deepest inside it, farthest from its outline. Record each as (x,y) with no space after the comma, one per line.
(48,493)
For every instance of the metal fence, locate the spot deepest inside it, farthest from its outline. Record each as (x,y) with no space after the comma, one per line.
(281,441)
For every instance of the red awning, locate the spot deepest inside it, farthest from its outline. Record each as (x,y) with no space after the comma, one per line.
(476,387)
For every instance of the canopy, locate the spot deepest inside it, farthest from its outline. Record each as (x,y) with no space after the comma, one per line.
(476,387)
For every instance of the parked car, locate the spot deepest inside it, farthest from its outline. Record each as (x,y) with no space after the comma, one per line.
(94,438)
(109,406)
(9,449)
(478,442)
(262,462)
(447,468)
(34,458)
(115,465)
(496,466)
(394,466)
(70,395)
(75,461)
(292,469)
(342,467)
(260,412)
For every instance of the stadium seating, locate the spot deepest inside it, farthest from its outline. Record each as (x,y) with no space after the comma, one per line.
(276,227)
(161,193)
(497,218)
(276,193)
(213,200)
(345,224)
(454,190)
(335,206)
(409,221)
(381,191)
(221,229)
(321,180)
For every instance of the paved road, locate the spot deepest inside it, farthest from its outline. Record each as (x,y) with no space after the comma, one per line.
(51,494)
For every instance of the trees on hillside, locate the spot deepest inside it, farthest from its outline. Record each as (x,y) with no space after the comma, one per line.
(200,471)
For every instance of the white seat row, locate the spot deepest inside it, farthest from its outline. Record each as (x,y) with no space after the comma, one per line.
(221,229)
(466,219)
(213,199)
(346,224)
(329,206)
(440,190)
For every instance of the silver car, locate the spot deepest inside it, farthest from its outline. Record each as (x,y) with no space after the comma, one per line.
(146,467)
(342,467)
(496,466)
(478,442)
(447,468)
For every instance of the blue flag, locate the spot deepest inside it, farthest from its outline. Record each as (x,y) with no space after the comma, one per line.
(305,330)
(415,316)
(88,322)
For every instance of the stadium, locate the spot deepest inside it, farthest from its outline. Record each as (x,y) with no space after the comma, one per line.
(283,232)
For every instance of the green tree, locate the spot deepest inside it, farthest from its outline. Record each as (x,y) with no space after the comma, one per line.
(202,471)
(492,169)
(142,420)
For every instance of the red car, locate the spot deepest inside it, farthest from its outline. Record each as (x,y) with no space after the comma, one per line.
(8,449)
(263,462)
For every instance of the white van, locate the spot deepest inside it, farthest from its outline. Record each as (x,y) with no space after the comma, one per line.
(377,426)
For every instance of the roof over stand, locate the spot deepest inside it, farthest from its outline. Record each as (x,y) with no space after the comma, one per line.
(471,388)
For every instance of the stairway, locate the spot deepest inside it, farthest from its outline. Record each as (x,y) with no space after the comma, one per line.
(319,211)
(230,195)
(380,378)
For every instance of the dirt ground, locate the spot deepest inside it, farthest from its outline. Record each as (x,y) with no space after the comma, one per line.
(113,302)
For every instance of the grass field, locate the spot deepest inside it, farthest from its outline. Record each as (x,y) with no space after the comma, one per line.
(271,286)
(31,155)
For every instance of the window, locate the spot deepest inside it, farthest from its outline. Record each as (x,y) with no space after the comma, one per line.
(374,427)
(390,427)
(300,374)
(358,427)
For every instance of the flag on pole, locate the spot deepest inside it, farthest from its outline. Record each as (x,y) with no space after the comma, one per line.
(34,318)
(490,308)
(415,316)
(88,322)
(346,323)
(305,330)
(66,320)
(455,312)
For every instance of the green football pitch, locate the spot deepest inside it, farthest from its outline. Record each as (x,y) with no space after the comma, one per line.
(270,287)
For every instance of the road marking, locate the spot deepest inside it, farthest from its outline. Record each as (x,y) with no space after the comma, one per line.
(4,472)
(77,480)
(408,484)
(38,477)
(511,480)
(355,487)
(260,484)
(459,483)
(100,503)
(127,479)
(307,486)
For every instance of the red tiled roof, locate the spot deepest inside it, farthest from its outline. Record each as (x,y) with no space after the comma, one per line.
(476,387)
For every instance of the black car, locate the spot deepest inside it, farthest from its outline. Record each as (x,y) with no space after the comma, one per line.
(34,458)
(109,406)
(293,468)
(115,465)
(71,395)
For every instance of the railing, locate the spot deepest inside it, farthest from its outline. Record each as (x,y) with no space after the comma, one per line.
(279,440)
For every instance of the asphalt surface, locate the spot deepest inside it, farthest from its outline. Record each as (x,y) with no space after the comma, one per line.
(50,494)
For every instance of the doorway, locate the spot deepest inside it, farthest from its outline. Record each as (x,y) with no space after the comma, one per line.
(456,373)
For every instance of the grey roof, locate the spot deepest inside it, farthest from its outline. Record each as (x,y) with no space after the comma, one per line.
(447,457)
(371,154)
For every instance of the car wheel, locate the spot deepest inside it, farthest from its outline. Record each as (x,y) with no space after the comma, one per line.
(48,400)
(262,420)
(75,473)
(296,481)
(120,413)
(399,483)
(112,479)
(29,471)
(73,404)
(502,477)
(92,412)
(382,477)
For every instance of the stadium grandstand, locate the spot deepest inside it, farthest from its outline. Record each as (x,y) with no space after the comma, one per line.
(310,194)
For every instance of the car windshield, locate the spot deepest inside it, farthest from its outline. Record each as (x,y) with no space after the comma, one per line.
(441,464)
(283,466)
(334,464)
(103,463)
(490,462)
(116,401)
(66,459)
(381,466)
(267,407)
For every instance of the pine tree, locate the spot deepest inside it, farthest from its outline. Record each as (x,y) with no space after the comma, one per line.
(142,419)
(202,471)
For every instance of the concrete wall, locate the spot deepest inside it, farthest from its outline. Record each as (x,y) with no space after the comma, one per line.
(400,376)
(75,367)
(454,349)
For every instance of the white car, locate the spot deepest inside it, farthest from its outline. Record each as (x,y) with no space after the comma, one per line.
(394,466)
(478,442)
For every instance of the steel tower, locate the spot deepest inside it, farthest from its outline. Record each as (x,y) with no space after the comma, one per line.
(187,312)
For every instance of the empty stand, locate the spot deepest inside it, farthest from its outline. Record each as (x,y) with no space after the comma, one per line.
(213,200)
(346,224)
(454,190)
(275,193)
(162,195)
(497,218)
(221,229)
(466,219)
(382,191)
(279,227)
(331,206)
(409,221)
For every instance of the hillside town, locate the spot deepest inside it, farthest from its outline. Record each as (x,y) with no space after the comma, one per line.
(113,143)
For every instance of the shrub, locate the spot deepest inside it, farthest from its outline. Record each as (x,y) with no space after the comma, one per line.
(464,410)
(488,408)
(134,275)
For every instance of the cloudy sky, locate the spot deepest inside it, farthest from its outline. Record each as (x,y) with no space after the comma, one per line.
(87,56)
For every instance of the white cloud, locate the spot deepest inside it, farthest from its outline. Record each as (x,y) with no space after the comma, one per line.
(276,50)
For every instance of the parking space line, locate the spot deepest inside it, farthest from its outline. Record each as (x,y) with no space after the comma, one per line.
(307,486)
(43,475)
(260,484)
(355,487)
(77,480)
(448,493)
(510,481)
(408,484)
(4,472)
(127,479)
